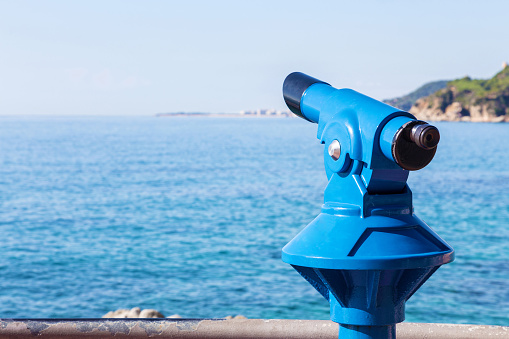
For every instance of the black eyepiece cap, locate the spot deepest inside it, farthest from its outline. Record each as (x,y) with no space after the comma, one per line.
(294,87)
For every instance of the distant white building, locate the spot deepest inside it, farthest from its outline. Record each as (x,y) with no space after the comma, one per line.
(267,112)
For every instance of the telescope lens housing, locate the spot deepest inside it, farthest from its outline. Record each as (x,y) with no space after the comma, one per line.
(414,145)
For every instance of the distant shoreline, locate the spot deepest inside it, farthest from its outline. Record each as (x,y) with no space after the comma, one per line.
(290,115)
(254,114)
(276,114)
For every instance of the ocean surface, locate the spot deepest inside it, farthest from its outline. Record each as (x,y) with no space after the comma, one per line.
(189,215)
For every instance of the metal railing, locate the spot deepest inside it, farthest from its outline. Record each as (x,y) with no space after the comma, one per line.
(224,329)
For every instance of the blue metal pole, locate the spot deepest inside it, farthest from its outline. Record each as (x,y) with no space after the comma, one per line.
(366,332)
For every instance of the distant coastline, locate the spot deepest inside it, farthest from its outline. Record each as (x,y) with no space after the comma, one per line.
(465,99)
(259,113)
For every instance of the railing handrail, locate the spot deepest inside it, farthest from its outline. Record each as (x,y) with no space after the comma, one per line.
(224,329)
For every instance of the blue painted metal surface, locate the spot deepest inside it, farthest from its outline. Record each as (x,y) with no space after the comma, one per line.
(366,252)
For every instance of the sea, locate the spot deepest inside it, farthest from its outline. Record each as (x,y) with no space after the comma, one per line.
(188,215)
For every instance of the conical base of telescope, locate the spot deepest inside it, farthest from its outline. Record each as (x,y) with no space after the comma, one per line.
(366,297)
(367,268)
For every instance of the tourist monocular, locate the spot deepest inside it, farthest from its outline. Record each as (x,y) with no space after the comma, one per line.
(367,252)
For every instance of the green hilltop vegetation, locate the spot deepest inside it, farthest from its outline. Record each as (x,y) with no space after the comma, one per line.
(465,99)
(466,89)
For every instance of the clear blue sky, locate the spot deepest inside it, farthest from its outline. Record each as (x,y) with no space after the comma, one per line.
(143,57)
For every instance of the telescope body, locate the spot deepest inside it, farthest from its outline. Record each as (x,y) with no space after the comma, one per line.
(366,252)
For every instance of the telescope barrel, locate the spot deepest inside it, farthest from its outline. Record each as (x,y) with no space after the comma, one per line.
(408,142)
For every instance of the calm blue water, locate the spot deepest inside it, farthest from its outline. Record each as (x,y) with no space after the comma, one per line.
(188,216)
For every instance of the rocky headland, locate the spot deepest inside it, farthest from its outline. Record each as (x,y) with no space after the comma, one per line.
(467,99)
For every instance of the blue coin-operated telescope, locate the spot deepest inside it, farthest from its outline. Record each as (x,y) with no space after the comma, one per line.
(366,252)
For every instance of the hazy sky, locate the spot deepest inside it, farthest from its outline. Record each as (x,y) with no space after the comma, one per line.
(145,57)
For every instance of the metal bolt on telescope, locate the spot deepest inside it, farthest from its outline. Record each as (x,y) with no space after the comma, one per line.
(366,252)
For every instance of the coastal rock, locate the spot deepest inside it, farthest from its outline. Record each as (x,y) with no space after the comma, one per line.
(120,313)
(148,313)
(135,312)
(437,109)
(229,317)
(174,316)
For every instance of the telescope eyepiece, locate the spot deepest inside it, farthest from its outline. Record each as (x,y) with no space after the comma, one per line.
(425,136)
(295,85)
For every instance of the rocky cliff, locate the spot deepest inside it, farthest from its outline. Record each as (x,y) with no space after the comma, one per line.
(467,100)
